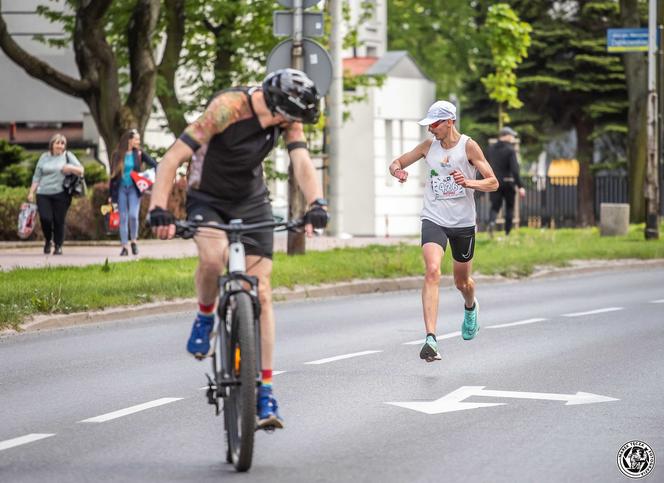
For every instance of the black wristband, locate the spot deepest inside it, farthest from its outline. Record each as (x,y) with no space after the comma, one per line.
(296,145)
(189,141)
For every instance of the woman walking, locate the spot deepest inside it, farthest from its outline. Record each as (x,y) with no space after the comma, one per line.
(128,158)
(52,200)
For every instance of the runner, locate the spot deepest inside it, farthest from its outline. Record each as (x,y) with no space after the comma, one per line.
(453,160)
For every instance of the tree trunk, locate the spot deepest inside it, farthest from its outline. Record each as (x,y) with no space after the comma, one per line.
(586,192)
(635,73)
(99,85)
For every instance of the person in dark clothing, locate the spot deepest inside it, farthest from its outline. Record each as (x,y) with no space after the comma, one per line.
(502,158)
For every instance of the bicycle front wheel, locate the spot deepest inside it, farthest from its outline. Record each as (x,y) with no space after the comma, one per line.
(241,404)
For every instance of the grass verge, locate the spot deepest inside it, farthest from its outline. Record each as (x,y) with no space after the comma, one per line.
(25,292)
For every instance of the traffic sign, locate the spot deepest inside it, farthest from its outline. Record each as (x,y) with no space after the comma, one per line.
(291,3)
(627,40)
(317,62)
(282,24)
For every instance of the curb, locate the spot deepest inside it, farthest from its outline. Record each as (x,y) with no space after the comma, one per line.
(298,293)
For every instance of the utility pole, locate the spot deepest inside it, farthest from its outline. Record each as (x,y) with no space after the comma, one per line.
(651,187)
(334,119)
(296,203)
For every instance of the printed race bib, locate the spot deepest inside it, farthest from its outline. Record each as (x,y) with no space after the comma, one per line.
(444,187)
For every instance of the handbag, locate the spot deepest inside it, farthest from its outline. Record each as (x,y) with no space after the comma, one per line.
(26,220)
(111,218)
(74,185)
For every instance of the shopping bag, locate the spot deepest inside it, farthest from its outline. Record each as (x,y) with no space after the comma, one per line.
(111,218)
(142,181)
(26,220)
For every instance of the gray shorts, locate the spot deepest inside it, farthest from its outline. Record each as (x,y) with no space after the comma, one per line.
(462,240)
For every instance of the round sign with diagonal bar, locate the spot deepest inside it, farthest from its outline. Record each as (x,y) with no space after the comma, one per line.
(291,3)
(317,62)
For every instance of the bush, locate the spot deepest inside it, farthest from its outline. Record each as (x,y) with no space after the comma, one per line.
(84,218)
(95,173)
(10,154)
(16,175)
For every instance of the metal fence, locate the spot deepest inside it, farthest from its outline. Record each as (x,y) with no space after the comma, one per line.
(554,201)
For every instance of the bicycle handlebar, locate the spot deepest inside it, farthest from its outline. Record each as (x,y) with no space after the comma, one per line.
(188,228)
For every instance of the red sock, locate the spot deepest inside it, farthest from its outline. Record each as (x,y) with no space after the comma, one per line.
(205,309)
(266,377)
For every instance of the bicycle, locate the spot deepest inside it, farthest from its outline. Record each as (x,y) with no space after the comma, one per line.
(235,352)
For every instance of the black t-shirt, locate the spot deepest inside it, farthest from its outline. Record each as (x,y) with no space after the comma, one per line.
(502,158)
(229,167)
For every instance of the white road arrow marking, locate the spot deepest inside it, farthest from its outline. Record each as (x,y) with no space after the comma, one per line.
(454,401)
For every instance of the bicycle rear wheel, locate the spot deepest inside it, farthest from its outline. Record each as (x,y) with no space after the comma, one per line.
(240,406)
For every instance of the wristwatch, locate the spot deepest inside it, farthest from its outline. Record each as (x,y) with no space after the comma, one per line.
(319,202)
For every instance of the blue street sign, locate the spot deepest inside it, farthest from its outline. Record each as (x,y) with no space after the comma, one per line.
(627,40)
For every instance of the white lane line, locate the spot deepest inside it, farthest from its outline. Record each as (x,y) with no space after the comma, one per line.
(345,356)
(660,301)
(131,410)
(28,438)
(512,324)
(451,335)
(592,312)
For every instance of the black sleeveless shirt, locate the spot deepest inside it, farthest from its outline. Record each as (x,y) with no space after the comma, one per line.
(231,168)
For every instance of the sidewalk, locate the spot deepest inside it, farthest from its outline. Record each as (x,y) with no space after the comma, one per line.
(30,254)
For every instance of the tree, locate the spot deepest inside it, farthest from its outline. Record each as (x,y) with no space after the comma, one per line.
(636,70)
(508,39)
(100,82)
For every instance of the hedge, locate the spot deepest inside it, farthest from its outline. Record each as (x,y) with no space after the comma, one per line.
(84,218)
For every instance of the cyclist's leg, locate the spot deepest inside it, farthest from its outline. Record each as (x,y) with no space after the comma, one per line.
(212,246)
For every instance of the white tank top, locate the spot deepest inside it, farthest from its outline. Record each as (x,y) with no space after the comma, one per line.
(445,202)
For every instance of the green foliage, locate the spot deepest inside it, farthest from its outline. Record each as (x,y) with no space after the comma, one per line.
(95,173)
(16,175)
(25,292)
(441,36)
(10,154)
(509,39)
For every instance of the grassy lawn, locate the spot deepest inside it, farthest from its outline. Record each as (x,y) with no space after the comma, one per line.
(24,292)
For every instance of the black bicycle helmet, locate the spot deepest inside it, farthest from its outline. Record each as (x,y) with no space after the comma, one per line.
(292,94)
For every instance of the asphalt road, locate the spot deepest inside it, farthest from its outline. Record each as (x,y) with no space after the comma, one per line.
(542,342)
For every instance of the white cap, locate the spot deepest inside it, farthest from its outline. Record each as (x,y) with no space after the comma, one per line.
(439,111)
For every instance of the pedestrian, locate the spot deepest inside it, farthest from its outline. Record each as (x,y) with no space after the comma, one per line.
(452,161)
(229,142)
(128,158)
(502,158)
(52,199)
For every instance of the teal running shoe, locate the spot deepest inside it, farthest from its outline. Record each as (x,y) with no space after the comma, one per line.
(429,350)
(470,327)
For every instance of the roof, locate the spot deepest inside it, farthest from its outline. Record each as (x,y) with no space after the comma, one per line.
(358,65)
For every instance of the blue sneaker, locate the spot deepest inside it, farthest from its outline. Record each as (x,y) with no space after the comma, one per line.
(429,350)
(267,409)
(470,327)
(199,340)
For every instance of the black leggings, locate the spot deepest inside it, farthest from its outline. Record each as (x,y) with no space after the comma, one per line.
(506,191)
(52,213)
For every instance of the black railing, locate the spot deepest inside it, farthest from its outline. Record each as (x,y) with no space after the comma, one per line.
(554,201)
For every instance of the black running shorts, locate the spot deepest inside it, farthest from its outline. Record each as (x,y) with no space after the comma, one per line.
(249,211)
(462,240)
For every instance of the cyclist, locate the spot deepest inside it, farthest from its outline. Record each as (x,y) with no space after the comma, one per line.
(227,145)
(453,160)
